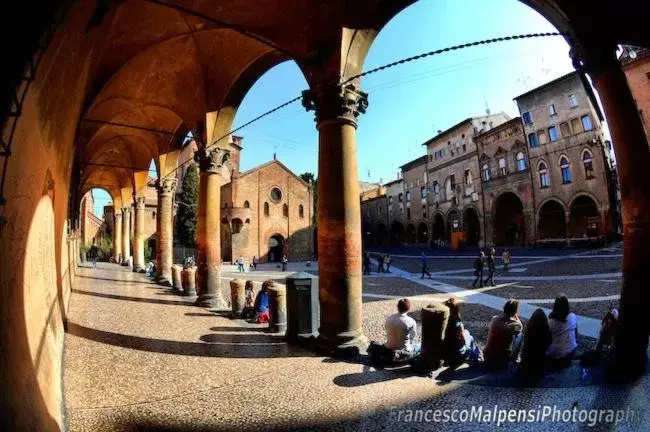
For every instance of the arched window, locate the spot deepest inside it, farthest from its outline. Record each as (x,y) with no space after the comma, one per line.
(301,211)
(469,180)
(485,170)
(225,205)
(544,179)
(153,215)
(566,170)
(503,167)
(285,210)
(588,162)
(266,209)
(521,161)
(247,204)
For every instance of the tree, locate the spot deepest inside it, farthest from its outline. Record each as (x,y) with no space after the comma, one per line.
(310,178)
(187,208)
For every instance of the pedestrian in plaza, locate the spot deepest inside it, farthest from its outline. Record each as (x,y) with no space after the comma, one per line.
(94,252)
(366,263)
(492,265)
(387,261)
(479,263)
(240,265)
(423,263)
(255,262)
(285,260)
(505,257)
(380,264)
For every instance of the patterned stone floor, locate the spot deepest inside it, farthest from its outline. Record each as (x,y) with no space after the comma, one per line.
(140,358)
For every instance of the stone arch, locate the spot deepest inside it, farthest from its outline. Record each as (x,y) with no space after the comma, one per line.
(585,220)
(411,234)
(509,221)
(438,230)
(397,234)
(423,233)
(471,226)
(551,220)
(381,235)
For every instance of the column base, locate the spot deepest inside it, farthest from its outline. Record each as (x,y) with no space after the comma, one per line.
(163,281)
(212,301)
(189,293)
(138,269)
(347,344)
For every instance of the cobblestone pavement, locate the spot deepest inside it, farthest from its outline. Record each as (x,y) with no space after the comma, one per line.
(140,358)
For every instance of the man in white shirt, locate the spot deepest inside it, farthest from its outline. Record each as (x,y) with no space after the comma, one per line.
(401,329)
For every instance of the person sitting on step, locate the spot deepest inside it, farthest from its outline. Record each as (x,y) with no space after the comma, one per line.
(504,336)
(564,332)
(401,330)
(249,301)
(262,303)
(537,338)
(459,344)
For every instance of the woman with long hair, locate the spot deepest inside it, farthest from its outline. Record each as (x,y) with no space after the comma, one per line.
(459,344)
(537,338)
(564,332)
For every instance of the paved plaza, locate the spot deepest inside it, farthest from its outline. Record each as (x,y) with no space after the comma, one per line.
(139,357)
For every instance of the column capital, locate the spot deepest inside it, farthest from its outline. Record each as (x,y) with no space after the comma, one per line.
(140,202)
(336,102)
(594,58)
(167,186)
(126,211)
(212,160)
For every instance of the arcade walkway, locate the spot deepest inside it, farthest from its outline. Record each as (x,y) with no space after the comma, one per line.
(139,358)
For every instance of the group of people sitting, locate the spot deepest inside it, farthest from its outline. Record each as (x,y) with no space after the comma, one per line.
(544,343)
(256,308)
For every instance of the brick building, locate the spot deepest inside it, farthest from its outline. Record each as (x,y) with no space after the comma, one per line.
(92,226)
(544,177)
(636,65)
(572,176)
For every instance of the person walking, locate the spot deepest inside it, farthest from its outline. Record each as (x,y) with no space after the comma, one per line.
(387,261)
(491,263)
(94,251)
(478,270)
(285,260)
(240,264)
(366,263)
(380,264)
(255,262)
(505,257)
(423,263)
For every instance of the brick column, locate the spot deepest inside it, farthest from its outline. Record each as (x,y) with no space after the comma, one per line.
(126,235)
(633,159)
(208,274)
(117,236)
(165,224)
(138,235)
(339,217)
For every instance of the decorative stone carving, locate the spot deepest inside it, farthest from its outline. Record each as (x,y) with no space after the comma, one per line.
(336,102)
(126,211)
(118,216)
(167,186)
(140,202)
(212,160)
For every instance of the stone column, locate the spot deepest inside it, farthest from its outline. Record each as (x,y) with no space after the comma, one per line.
(126,235)
(208,274)
(165,223)
(633,159)
(117,236)
(138,236)
(339,217)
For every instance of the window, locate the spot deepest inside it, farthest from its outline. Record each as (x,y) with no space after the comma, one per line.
(247,204)
(526,118)
(544,180)
(453,181)
(573,101)
(225,205)
(587,160)
(408,213)
(449,188)
(400,197)
(566,170)
(551,110)
(430,158)
(408,196)
(390,200)
(521,161)
(301,211)
(436,190)
(586,123)
(541,135)
(153,215)
(532,139)
(552,133)
(423,192)
(576,127)
(503,168)
(469,181)
(424,212)
(276,194)
(564,129)
(266,209)
(237,226)
(379,211)
(485,170)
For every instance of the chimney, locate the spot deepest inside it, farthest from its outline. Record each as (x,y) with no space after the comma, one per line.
(235,147)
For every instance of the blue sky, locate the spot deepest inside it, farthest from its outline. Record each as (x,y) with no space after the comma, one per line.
(409,103)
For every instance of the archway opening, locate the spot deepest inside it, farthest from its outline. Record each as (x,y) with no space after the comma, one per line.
(552,221)
(276,248)
(453,224)
(472,227)
(438,229)
(397,234)
(584,218)
(96,222)
(381,235)
(411,234)
(423,233)
(509,226)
